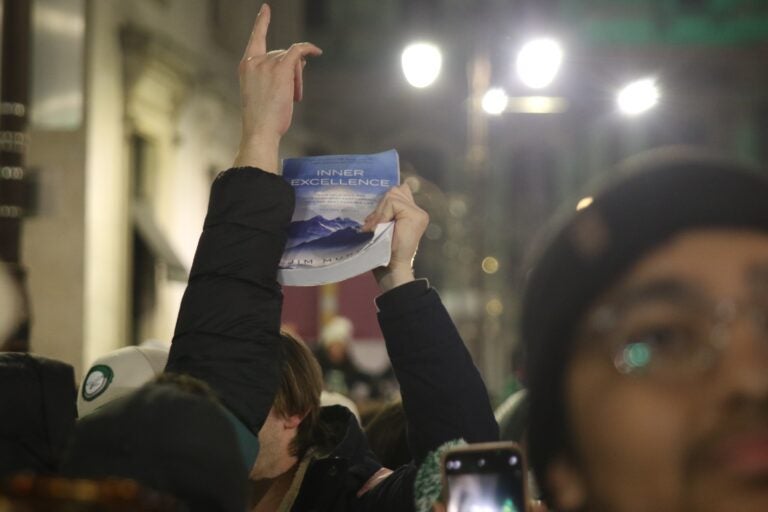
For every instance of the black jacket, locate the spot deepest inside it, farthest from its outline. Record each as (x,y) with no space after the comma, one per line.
(228,330)
(228,335)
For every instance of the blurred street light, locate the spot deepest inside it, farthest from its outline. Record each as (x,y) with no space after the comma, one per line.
(638,97)
(495,101)
(538,62)
(421,64)
(490,265)
(584,202)
(537,105)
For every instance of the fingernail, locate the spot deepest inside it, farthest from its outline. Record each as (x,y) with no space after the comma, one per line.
(261,9)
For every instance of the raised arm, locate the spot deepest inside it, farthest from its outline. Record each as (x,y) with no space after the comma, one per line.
(227,332)
(443,393)
(270,82)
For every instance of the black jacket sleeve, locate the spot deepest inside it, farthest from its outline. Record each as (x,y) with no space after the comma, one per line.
(443,393)
(228,329)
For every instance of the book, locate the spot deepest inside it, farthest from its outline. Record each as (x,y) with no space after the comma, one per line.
(334,195)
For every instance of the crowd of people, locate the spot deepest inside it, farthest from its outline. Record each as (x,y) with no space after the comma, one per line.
(644,325)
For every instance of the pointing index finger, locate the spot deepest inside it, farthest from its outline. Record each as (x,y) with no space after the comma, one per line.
(257,44)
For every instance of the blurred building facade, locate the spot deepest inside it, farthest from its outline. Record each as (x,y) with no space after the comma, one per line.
(135,107)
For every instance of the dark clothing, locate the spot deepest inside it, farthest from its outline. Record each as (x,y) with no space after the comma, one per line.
(346,464)
(168,439)
(228,330)
(443,393)
(37,412)
(227,335)
(346,378)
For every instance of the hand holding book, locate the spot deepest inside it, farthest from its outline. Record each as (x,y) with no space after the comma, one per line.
(410,223)
(334,196)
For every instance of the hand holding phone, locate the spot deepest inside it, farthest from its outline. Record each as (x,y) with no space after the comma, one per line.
(488,477)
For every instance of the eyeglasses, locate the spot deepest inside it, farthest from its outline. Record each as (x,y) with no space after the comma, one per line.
(673,335)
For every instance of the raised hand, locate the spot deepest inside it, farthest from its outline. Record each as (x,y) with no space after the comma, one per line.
(270,82)
(410,224)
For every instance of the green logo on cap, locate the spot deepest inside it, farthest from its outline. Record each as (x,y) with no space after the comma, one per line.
(97,381)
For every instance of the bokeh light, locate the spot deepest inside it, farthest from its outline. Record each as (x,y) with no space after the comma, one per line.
(421,64)
(494,307)
(490,265)
(638,97)
(584,202)
(495,101)
(539,62)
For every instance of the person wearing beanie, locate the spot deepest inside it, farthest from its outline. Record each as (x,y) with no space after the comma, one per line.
(645,321)
(171,435)
(340,373)
(37,412)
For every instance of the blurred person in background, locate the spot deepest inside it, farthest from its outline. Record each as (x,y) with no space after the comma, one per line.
(37,412)
(228,333)
(32,493)
(340,372)
(645,319)
(13,312)
(387,434)
(37,394)
(512,413)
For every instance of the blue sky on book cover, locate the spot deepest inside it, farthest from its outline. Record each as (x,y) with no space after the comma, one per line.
(334,194)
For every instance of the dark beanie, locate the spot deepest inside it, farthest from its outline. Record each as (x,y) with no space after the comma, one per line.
(37,412)
(649,199)
(168,439)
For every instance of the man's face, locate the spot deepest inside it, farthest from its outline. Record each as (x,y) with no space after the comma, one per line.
(684,435)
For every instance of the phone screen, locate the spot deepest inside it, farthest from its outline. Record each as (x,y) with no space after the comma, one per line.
(490,480)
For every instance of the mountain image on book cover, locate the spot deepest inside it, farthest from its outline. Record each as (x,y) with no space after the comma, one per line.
(319,231)
(334,194)
(328,240)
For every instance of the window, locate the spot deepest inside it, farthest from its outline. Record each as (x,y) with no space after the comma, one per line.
(143,288)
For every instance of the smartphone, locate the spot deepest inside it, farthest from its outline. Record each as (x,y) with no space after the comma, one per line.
(488,477)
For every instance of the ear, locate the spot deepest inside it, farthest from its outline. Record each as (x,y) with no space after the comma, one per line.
(292,422)
(567,485)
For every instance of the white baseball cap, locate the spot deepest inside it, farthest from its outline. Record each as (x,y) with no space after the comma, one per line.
(117,374)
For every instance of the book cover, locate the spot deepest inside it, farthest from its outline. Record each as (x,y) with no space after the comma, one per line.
(334,195)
